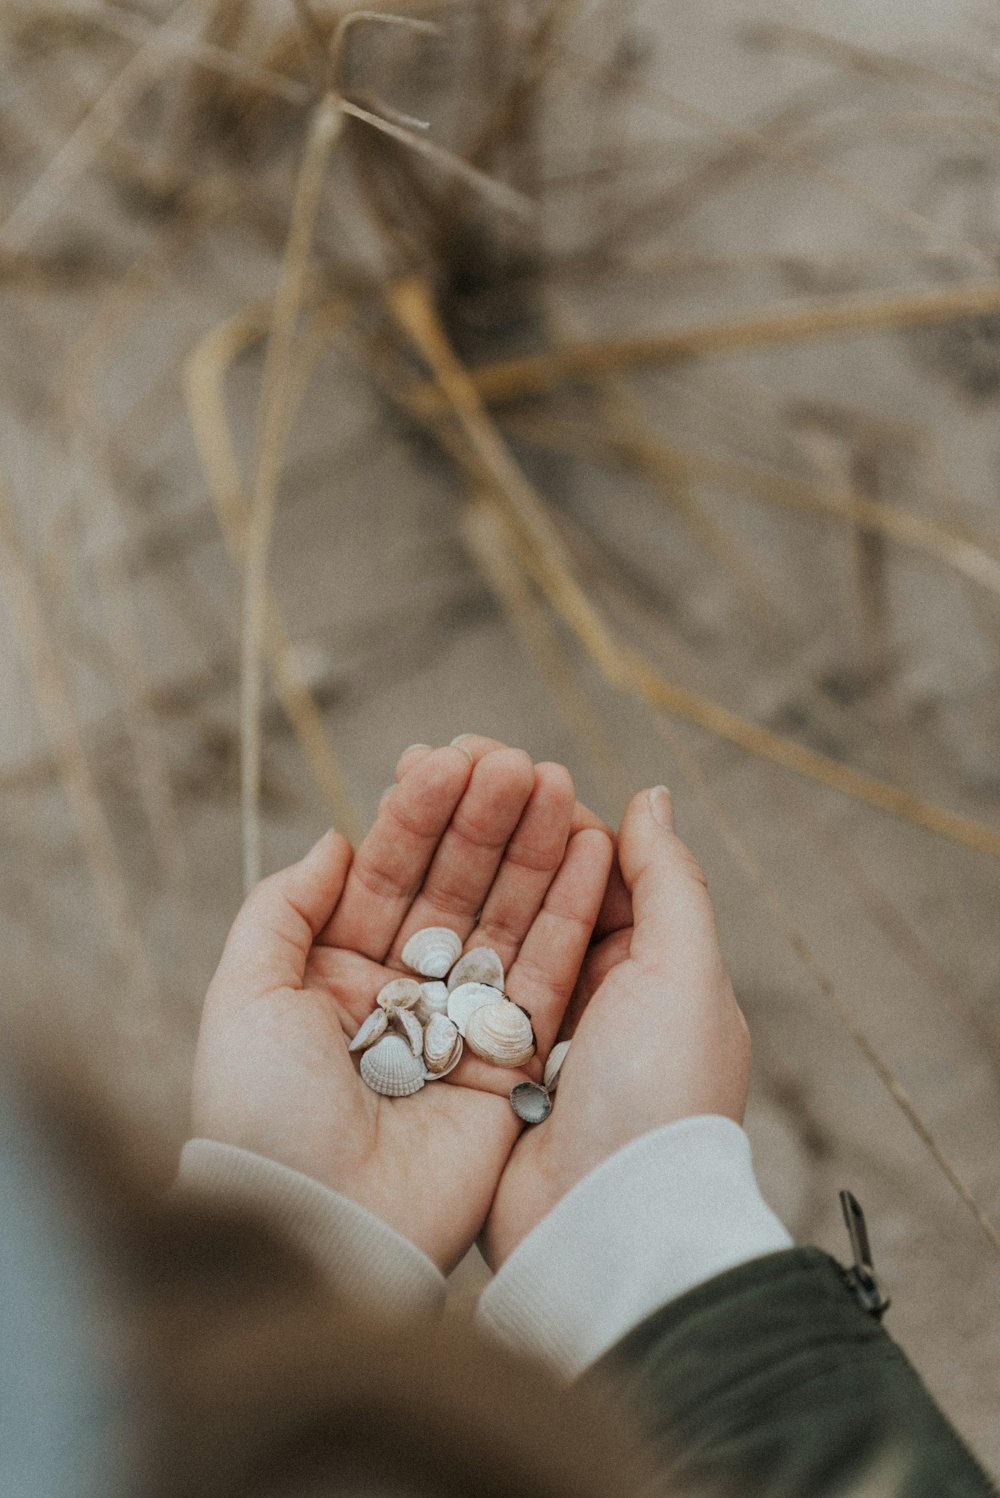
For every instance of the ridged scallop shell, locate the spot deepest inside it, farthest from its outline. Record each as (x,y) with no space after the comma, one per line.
(481,965)
(432,951)
(391,1068)
(371,1029)
(501,1033)
(399,993)
(530,1102)
(433,1000)
(466,999)
(554,1064)
(410,1028)
(442,1045)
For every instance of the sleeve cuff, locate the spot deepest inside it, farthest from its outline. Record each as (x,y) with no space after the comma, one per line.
(359,1253)
(675,1207)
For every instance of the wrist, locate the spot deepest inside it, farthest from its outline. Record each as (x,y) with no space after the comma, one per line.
(363,1256)
(673,1208)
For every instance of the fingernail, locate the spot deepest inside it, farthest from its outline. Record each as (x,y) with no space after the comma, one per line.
(410,747)
(662,806)
(456,742)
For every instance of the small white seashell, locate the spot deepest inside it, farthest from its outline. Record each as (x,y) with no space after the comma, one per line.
(433,951)
(442,1045)
(410,1028)
(465,999)
(530,1102)
(372,1029)
(481,965)
(433,1000)
(391,1068)
(399,993)
(501,1033)
(554,1065)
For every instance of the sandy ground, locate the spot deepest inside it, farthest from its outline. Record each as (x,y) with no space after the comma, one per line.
(404,642)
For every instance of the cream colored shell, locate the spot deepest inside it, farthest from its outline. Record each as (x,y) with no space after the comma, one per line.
(468,997)
(432,951)
(391,1068)
(433,1000)
(480,965)
(554,1065)
(410,1028)
(371,1029)
(501,1033)
(399,993)
(442,1045)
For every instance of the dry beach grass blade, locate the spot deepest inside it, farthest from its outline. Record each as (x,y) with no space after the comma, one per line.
(544,554)
(204,383)
(272,430)
(541,374)
(971,559)
(487,535)
(42,666)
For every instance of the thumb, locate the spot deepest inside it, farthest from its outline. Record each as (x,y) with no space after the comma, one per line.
(273,933)
(673,917)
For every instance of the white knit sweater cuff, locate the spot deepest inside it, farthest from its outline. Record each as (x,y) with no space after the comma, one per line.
(673,1208)
(361,1254)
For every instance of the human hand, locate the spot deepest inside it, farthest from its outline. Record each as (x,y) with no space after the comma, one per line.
(657,1033)
(488,849)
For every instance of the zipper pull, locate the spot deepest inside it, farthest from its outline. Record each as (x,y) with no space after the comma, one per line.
(861,1276)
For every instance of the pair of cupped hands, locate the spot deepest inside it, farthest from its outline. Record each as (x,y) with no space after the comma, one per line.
(610,941)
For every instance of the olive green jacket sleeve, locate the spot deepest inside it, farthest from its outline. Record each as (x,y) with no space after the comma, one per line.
(772,1380)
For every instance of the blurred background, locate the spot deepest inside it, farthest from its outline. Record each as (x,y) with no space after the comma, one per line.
(618,379)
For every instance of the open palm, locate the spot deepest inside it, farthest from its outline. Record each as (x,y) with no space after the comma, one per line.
(489,850)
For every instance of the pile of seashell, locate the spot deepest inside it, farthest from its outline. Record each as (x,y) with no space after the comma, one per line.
(418,1030)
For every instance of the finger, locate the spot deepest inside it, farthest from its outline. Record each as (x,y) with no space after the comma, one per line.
(529,865)
(674,920)
(616,910)
(543,977)
(616,907)
(464,865)
(390,865)
(411,755)
(273,933)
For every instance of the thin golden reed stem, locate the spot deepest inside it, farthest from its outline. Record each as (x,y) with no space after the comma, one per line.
(545,554)
(204,378)
(94,493)
(272,430)
(487,537)
(52,701)
(208,55)
(868,62)
(767,147)
(99,124)
(411,302)
(539,374)
(972,560)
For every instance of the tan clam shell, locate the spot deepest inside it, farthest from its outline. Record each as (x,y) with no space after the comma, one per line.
(410,1028)
(442,1046)
(433,1000)
(554,1065)
(433,951)
(480,965)
(501,1033)
(399,993)
(391,1068)
(468,997)
(370,1030)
